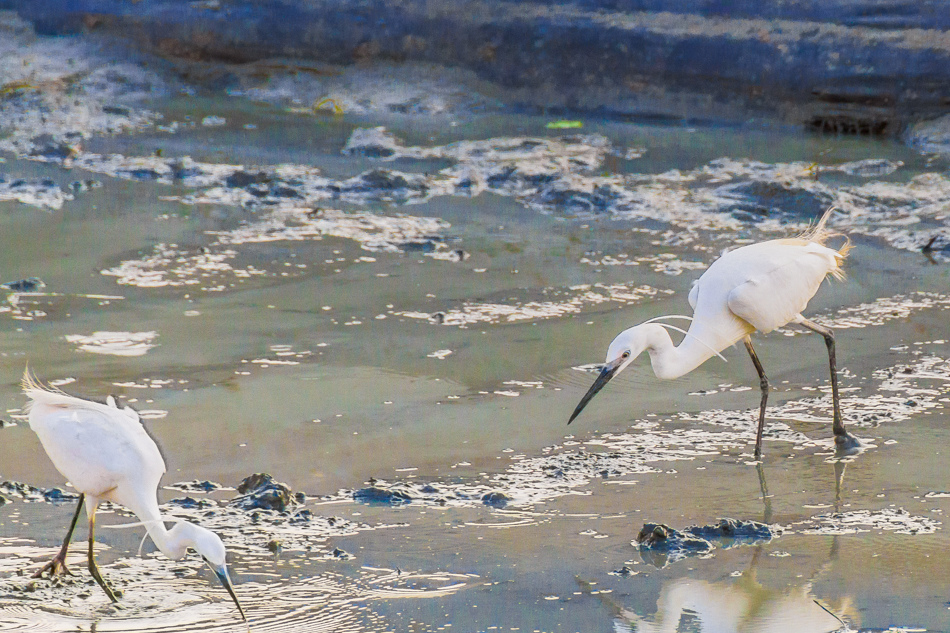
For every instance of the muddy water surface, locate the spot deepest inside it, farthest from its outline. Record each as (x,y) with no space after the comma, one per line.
(407,291)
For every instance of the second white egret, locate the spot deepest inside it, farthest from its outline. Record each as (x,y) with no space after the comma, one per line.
(760,287)
(106,454)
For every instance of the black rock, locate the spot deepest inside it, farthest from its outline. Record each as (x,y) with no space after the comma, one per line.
(429,489)
(181,171)
(496,499)
(661,545)
(143,174)
(283,191)
(51,148)
(33,493)
(732,528)
(375,495)
(662,537)
(3,500)
(370,150)
(599,200)
(244,178)
(30,284)
(55,495)
(190,503)
(196,486)
(261,492)
(117,110)
(382,181)
(498,178)
(419,246)
(79,186)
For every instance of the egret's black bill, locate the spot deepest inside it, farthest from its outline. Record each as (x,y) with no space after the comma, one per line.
(223,577)
(608,372)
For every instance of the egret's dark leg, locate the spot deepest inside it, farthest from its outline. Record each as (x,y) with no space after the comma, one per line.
(93,568)
(58,564)
(764,385)
(843,439)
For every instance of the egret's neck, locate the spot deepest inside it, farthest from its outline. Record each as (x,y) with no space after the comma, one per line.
(171,542)
(672,361)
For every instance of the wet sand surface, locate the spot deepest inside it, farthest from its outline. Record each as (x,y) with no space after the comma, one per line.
(393,310)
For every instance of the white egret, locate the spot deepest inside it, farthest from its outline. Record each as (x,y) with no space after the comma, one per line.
(756,287)
(106,454)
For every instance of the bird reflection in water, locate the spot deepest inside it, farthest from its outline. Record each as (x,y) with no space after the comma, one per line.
(743,605)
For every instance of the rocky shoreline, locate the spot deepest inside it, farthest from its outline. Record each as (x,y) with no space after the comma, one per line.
(839,67)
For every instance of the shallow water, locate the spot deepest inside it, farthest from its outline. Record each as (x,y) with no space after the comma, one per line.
(328,302)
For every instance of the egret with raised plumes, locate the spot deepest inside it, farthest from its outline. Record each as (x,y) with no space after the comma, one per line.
(759,287)
(106,455)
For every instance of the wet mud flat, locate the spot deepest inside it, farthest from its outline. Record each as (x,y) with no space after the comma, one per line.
(393,309)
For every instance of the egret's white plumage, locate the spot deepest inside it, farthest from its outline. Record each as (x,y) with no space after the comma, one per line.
(760,287)
(106,455)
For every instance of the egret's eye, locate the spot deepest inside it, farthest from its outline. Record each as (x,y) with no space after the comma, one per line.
(625,355)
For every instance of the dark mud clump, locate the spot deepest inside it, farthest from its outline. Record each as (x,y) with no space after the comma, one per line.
(195,486)
(261,492)
(661,545)
(191,503)
(496,499)
(33,493)
(375,495)
(734,529)
(623,572)
(669,545)
(30,284)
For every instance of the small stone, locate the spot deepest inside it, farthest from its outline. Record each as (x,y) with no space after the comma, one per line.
(261,491)
(496,499)
(30,284)
(375,495)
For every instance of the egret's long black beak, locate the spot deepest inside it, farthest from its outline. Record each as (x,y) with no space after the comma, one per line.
(222,575)
(609,371)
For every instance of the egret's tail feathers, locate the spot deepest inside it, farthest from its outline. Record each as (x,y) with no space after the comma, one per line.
(843,250)
(38,392)
(820,233)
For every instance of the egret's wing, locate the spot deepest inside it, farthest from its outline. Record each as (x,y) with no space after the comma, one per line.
(94,451)
(773,296)
(93,445)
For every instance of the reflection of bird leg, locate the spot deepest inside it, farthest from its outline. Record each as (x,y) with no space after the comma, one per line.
(840,467)
(766,515)
(839,480)
(764,386)
(766,497)
(58,564)
(843,439)
(93,568)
